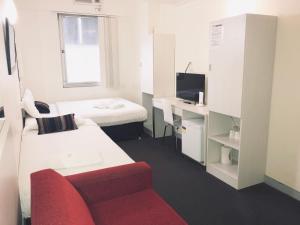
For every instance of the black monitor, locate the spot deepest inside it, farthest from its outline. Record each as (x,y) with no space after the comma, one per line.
(189,85)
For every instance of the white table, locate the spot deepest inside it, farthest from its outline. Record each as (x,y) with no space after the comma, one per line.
(180,106)
(183,110)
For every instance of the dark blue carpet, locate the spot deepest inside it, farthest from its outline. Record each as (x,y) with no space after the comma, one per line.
(204,200)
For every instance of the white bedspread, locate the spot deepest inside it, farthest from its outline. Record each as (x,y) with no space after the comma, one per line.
(71,152)
(105,112)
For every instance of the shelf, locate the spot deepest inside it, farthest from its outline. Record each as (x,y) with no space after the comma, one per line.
(229,170)
(225,140)
(226,173)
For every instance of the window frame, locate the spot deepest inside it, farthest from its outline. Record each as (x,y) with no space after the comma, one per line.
(67,84)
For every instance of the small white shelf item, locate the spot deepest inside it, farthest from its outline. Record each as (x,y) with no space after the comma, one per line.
(227,173)
(226,140)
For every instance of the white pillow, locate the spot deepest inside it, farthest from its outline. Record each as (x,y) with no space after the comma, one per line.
(79,121)
(28,104)
(31,124)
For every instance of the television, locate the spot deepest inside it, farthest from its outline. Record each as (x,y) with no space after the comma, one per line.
(189,85)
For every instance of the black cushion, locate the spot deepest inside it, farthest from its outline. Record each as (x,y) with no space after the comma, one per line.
(2,112)
(56,124)
(42,107)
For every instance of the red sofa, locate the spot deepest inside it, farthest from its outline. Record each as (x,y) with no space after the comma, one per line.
(115,196)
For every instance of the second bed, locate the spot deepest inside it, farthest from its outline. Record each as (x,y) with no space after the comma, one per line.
(119,118)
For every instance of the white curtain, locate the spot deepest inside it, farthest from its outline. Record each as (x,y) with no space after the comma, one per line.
(110,42)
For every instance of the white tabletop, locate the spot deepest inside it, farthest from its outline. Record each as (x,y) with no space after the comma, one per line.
(179,103)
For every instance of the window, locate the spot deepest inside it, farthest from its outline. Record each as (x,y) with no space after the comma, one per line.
(80,49)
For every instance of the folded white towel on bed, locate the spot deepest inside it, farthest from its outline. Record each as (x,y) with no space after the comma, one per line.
(115,105)
(101,106)
(74,159)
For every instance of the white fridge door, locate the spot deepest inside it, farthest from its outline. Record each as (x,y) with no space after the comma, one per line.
(192,142)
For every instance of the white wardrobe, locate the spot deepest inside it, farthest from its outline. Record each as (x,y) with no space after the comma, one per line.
(242,53)
(158,71)
(158,77)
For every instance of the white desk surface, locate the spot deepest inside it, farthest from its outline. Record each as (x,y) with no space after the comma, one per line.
(178,103)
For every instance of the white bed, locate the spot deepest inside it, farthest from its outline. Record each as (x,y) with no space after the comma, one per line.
(105,112)
(71,152)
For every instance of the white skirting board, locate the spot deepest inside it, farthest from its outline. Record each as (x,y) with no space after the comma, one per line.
(282,187)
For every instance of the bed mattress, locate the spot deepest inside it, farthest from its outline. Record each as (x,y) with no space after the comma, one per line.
(71,152)
(105,112)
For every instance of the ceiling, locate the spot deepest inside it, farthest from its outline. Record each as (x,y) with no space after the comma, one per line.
(171,1)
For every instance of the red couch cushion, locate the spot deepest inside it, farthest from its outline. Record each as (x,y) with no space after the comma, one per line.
(114,182)
(141,208)
(56,202)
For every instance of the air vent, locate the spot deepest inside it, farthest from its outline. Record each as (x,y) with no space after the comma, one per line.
(89,2)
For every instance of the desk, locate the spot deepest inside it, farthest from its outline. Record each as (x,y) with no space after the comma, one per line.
(179,104)
(181,109)
(184,111)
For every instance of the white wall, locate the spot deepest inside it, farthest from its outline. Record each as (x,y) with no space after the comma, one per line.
(284,147)
(39,48)
(9,159)
(9,194)
(191,27)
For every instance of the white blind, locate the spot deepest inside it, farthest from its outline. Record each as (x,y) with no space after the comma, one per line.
(111,52)
(80,43)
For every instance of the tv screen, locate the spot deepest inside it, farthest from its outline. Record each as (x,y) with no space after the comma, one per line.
(189,85)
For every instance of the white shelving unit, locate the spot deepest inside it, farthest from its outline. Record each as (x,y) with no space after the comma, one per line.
(229,170)
(228,173)
(226,140)
(239,93)
(219,127)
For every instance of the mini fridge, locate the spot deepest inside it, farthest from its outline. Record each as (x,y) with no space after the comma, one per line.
(193,139)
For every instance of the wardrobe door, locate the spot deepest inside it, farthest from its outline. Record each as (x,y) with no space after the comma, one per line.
(225,80)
